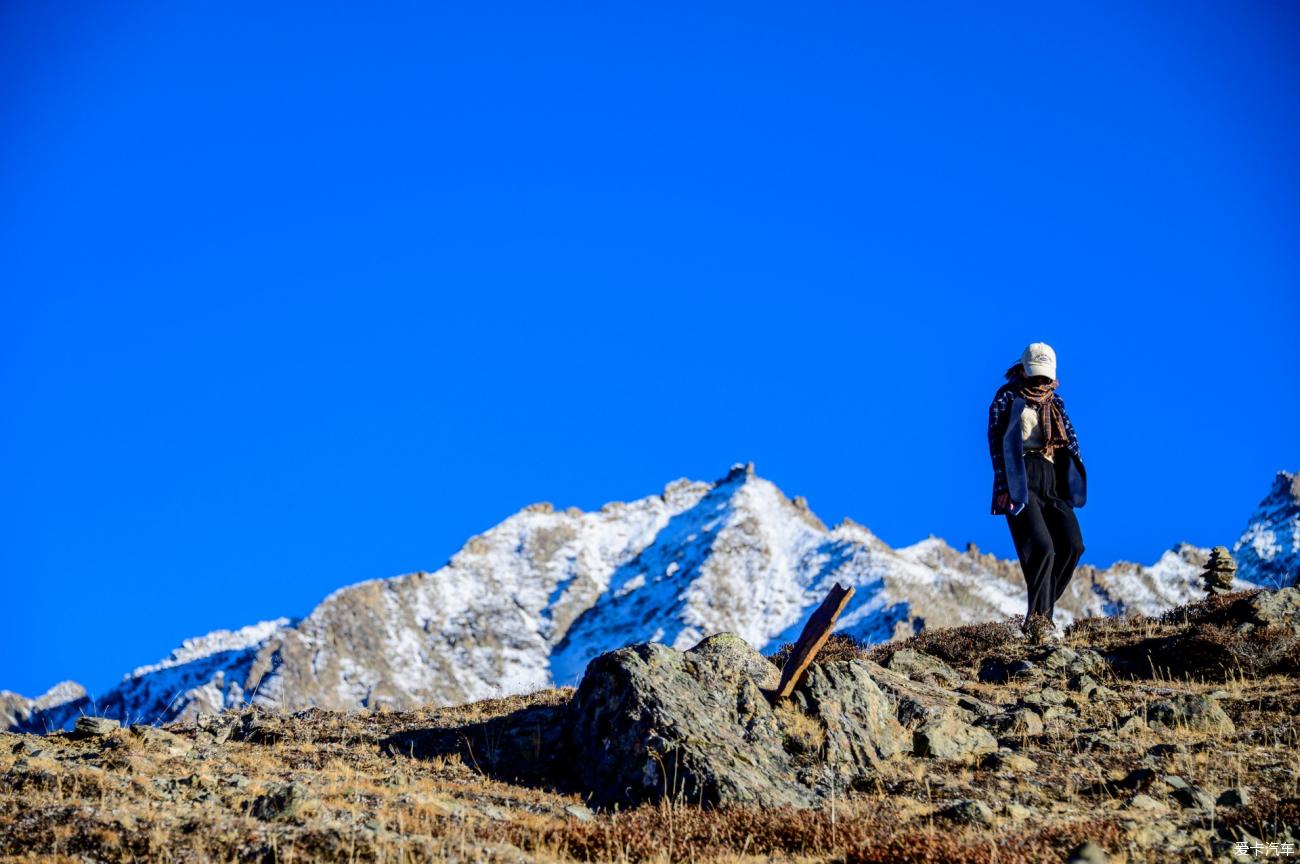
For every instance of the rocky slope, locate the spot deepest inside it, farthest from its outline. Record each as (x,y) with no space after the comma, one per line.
(1133,739)
(528,603)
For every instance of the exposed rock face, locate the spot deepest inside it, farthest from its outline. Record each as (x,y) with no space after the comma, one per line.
(861,727)
(1194,713)
(650,722)
(950,738)
(1268,551)
(916,702)
(923,667)
(1272,609)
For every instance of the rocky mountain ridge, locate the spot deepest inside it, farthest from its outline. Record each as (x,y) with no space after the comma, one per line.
(527,604)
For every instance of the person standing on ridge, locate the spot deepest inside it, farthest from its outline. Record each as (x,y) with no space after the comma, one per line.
(1038,480)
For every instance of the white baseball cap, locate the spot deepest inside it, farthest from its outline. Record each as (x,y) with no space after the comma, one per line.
(1038,358)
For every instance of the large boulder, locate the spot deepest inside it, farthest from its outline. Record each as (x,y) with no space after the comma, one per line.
(916,702)
(923,668)
(650,722)
(859,720)
(1191,712)
(950,738)
(1279,608)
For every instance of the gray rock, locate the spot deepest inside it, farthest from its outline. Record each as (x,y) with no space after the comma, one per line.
(1084,684)
(995,671)
(1141,801)
(1046,696)
(1173,781)
(915,702)
(280,804)
(1194,797)
(582,814)
(1088,852)
(1089,661)
(1009,762)
(968,812)
(1058,659)
(650,722)
(161,739)
(1195,713)
(1280,608)
(924,668)
(949,738)
(1237,796)
(860,725)
(1018,812)
(1017,721)
(93,727)
(1219,571)
(1130,725)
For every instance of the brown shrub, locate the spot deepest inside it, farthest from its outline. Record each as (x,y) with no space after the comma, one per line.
(956,646)
(1213,651)
(1215,609)
(1105,630)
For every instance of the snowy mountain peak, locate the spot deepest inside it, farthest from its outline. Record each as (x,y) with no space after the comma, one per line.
(1270,546)
(525,604)
(214,642)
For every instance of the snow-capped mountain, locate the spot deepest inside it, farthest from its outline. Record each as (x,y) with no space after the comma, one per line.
(526,604)
(1269,549)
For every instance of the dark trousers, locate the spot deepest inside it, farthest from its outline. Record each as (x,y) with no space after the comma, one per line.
(1047,537)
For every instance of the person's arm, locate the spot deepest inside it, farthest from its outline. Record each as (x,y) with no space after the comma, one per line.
(997,426)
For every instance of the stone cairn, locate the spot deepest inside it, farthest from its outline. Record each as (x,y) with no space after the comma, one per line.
(1219,572)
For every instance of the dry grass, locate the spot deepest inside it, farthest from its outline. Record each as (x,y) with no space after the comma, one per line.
(959,647)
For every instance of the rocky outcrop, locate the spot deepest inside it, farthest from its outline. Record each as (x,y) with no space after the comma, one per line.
(950,738)
(1270,609)
(649,722)
(1191,712)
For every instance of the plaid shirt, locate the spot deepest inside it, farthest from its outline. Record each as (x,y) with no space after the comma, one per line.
(999,417)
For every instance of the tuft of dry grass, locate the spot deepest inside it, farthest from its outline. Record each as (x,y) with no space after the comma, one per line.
(838,648)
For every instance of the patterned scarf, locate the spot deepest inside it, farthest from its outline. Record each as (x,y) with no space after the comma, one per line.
(1049,413)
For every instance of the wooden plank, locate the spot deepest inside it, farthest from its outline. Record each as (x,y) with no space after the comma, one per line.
(814,636)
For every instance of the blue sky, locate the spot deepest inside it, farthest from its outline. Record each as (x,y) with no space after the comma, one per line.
(294,296)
